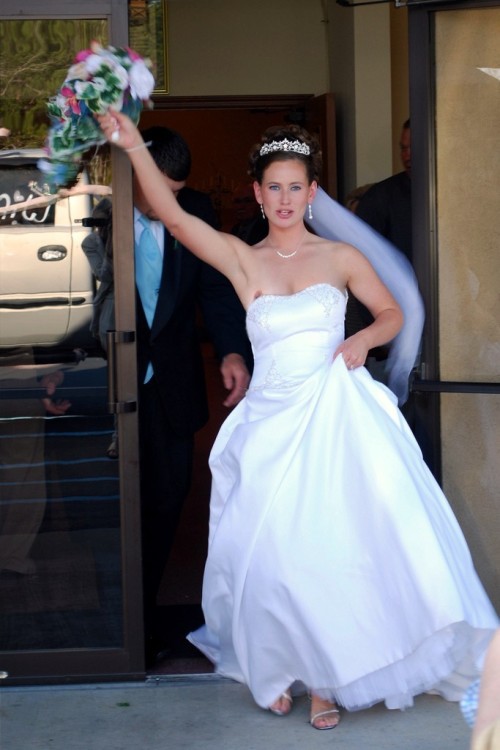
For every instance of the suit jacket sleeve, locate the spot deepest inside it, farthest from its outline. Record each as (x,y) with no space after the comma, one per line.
(374,208)
(386,207)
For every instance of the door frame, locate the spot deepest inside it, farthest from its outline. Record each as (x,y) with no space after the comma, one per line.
(316,113)
(91,665)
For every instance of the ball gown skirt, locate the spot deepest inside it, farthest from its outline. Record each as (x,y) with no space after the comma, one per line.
(335,562)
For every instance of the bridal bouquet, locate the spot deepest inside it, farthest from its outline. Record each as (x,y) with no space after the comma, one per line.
(100,77)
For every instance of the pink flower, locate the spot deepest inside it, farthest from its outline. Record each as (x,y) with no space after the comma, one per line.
(95,49)
(133,54)
(71,99)
(81,56)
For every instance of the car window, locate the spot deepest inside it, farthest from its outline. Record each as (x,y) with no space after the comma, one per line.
(15,188)
(46,284)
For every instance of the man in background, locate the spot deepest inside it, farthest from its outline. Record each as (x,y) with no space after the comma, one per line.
(386,205)
(172,392)
(172,287)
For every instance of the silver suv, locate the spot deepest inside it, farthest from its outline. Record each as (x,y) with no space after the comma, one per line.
(46,284)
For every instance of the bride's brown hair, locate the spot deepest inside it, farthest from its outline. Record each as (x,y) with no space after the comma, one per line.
(277,133)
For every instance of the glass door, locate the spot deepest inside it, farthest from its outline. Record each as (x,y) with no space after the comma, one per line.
(455,81)
(70,593)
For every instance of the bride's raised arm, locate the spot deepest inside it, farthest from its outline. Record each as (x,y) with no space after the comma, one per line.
(223,251)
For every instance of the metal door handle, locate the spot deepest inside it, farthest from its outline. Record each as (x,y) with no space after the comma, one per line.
(452,386)
(113,338)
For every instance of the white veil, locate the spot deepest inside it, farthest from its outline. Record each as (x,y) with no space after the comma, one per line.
(333,221)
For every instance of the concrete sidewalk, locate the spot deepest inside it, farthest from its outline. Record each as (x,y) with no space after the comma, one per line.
(209,713)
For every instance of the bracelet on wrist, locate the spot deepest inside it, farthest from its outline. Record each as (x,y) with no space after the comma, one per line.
(141,145)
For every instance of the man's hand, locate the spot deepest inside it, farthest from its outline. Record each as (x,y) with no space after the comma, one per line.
(235,377)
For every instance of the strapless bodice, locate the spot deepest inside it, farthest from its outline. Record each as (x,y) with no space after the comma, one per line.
(293,335)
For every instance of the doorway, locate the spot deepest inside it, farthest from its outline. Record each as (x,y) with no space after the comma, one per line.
(80,617)
(220,132)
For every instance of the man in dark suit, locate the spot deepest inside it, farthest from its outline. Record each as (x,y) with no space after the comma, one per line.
(386,205)
(172,396)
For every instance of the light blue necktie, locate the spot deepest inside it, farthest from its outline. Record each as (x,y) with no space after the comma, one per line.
(148,267)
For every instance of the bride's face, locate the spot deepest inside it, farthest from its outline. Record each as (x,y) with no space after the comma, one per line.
(285,191)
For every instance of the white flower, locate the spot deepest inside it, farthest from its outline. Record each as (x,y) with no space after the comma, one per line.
(78,70)
(60,101)
(92,63)
(121,74)
(81,87)
(141,80)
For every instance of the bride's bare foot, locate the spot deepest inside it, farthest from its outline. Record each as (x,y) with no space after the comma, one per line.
(283,705)
(324,715)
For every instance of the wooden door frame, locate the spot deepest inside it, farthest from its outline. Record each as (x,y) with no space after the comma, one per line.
(300,108)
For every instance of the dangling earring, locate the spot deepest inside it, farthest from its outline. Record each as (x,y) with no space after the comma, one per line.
(262,210)
(310,214)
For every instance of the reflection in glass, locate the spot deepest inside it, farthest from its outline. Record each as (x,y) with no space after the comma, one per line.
(60,572)
(60,523)
(148,35)
(35,56)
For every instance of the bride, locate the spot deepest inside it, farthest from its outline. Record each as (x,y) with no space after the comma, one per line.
(335,564)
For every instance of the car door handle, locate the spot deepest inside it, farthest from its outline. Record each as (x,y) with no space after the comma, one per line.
(52,252)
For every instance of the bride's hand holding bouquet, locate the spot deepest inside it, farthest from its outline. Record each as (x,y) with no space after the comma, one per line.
(120,130)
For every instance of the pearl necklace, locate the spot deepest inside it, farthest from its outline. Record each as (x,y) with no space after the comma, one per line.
(294,252)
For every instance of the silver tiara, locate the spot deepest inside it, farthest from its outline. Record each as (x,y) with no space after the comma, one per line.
(285,145)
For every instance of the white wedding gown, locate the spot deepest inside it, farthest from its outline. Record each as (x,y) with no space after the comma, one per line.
(335,561)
